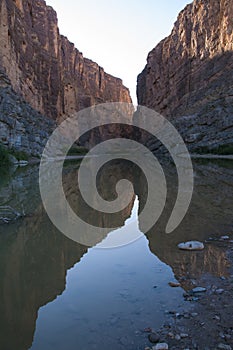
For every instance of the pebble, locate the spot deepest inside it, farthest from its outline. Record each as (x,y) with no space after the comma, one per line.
(177,337)
(154,338)
(224,347)
(219,291)
(225,238)
(191,245)
(171,335)
(194,314)
(217,318)
(148,330)
(160,346)
(174,284)
(184,335)
(198,290)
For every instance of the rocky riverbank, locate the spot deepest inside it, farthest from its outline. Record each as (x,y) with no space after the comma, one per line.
(206,323)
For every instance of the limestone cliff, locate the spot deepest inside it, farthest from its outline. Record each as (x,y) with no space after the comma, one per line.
(45,68)
(190,74)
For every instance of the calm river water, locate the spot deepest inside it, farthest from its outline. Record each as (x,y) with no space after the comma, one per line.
(58,294)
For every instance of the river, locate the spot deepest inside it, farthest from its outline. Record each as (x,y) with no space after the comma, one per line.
(59,294)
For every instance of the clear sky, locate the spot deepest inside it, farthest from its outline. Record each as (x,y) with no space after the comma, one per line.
(117,34)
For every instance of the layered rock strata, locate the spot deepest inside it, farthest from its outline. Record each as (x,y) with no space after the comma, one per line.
(188,76)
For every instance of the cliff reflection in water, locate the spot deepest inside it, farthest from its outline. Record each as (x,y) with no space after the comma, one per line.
(35,257)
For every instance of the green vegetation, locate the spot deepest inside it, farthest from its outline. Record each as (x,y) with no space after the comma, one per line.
(77,151)
(220,150)
(19,155)
(4,157)
(6,153)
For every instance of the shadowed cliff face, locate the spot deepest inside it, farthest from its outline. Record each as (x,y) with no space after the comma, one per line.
(189,73)
(45,68)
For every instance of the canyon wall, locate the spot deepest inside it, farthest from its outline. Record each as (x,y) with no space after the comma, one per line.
(45,68)
(21,127)
(189,75)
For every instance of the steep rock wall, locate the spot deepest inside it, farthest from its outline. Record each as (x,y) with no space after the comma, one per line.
(190,74)
(45,68)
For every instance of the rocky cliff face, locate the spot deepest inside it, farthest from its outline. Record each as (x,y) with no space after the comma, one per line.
(21,127)
(190,73)
(45,68)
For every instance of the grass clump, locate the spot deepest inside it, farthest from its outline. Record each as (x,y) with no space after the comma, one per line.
(19,155)
(4,156)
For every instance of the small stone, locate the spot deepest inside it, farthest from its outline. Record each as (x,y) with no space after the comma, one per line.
(219,291)
(184,335)
(154,338)
(23,163)
(217,318)
(171,335)
(148,330)
(224,347)
(160,346)
(172,312)
(225,238)
(147,348)
(194,314)
(195,299)
(177,337)
(198,290)
(191,245)
(174,284)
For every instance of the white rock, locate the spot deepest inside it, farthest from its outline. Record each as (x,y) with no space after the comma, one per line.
(160,346)
(23,163)
(199,290)
(225,238)
(219,291)
(191,245)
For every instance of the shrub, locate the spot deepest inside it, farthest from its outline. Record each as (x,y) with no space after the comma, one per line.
(4,156)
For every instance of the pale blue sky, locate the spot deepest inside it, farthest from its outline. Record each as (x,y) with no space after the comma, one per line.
(117,34)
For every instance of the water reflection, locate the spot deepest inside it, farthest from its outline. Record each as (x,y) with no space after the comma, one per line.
(35,258)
